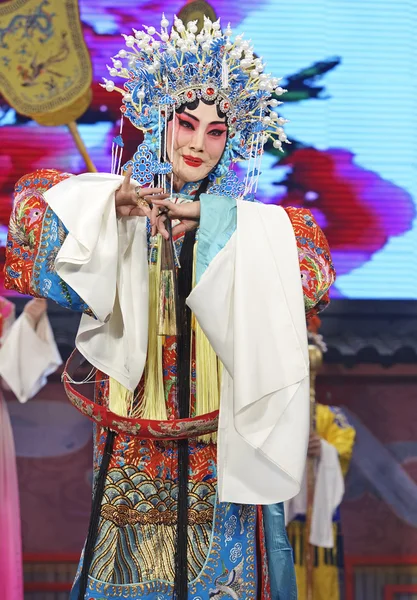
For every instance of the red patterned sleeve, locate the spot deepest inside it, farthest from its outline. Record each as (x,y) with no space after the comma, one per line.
(317,271)
(35,237)
(27,228)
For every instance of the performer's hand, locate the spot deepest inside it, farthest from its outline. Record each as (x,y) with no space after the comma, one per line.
(314,446)
(34,309)
(188,213)
(135,201)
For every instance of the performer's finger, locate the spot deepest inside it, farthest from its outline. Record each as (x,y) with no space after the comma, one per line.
(160,225)
(183,227)
(141,210)
(126,180)
(146,191)
(162,201)
(154,216)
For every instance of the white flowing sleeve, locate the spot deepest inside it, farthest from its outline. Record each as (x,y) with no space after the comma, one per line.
(28,356)
(104,259)
(249,303)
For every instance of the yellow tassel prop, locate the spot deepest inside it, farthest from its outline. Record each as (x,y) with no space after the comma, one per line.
(208,370)
(167,322)
(207,380)
(154,405)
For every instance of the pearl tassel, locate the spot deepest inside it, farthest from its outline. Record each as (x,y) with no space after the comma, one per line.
(113,146)
(172,150)
(119,159)
(159,145)
(117,151)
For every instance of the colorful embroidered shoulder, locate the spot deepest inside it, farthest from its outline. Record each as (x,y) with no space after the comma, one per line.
(317,270)
(34,239)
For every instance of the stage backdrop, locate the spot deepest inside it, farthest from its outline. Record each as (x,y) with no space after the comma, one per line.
(352,103)
(379,510)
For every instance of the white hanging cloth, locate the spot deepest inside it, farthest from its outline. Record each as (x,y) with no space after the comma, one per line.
(328,494)
(28,356)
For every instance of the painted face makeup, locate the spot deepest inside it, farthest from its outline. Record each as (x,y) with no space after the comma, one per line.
(199,140)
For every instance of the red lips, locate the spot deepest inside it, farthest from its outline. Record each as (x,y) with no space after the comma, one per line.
(192,161)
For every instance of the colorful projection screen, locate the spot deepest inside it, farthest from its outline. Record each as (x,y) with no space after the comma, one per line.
(352,105)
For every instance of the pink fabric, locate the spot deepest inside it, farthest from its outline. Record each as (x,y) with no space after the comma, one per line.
(11,575)
(11,572)
(6,315)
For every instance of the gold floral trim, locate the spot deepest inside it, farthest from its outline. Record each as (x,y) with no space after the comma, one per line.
(122,515)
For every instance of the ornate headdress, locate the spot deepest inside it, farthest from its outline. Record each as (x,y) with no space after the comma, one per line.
(166,70)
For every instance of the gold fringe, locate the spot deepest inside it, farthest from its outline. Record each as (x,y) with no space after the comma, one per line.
(120,398)
(154,405)
(207,380)
(208,372)
(208,367)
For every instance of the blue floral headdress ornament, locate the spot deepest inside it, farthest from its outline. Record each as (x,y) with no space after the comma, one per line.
(166,70)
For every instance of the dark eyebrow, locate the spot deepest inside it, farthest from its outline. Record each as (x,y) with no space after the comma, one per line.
(191,116)
(218,123)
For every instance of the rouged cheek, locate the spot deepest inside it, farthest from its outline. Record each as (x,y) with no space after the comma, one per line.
(182,137)
(215,145)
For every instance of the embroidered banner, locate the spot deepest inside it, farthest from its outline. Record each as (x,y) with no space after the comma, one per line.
(45,68)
